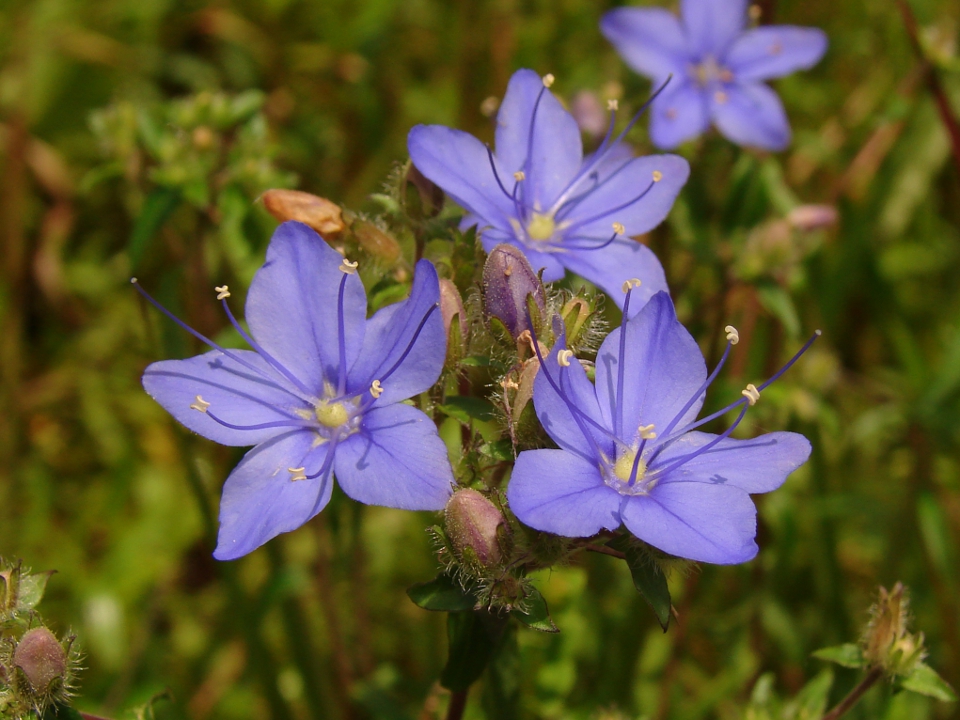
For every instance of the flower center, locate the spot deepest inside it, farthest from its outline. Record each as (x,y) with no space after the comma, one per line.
(623,468)
(332,415)
(541,227)
(709,70)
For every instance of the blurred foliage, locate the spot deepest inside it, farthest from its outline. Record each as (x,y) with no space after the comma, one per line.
(137,136)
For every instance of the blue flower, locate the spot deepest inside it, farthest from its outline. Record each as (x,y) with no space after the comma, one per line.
(539,193)
(630,453)
(718,69)
(319,395)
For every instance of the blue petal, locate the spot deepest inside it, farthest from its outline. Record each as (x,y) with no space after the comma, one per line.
(650,40)
(751,114)
(634,181)
(459,163)
(555,415)
(712,25)
(396,460)
(292,306)
(758,465)
(260,500)
(561,493)
(663,368)
(679,114)
(611,266)
(774,51)
(388,335)
(236,395)
(548,262)
(697,521)
(556,152)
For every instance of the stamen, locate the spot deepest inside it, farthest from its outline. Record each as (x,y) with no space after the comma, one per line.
(297,473)
(563,358)
(733,337)
(613,105)
(341,333)
(413,341)
(628,285)
(619,229)
(617,209)
(548,80)
(519,176)
(751,393)
(696,453)
(657,176)
(376,389)
(264,426)
(223,292)
(200,405)
(511,196)
(646,432)
(347,267)
(569,244)
(271,380)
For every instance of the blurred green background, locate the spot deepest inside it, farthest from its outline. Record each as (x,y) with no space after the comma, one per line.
(135,137)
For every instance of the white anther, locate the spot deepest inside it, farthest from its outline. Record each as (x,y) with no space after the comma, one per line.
(133,281)
(563,358)
(733,337)
(657,176)
(613,105)
(508,384)
(619,229)
(200,405)
(296,474)
(548,80)
(720,96)
(646,432)
(751,394)
(630,284)
(223,292)
(376,389)
(350,268)
(519,175)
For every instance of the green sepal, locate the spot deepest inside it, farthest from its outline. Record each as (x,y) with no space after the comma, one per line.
(648,578)
(465,408)
(536,616)
(925,680)
(848,655)
(473,638)
(443,594)
(500,450)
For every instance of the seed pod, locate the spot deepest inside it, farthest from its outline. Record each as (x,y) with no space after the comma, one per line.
(474,526)
(512,291)
(319,213)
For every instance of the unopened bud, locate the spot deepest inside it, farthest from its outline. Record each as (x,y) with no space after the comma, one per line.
(454,319)
(512,291)
(886,642)
(589,114)
(319,213)
(812,217)
(41,658)
(375,241)
(475,527)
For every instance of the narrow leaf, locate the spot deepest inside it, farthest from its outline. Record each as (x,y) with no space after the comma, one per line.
(848,655)
(473,637)
(536,616)
(466,409)
(31,589)
(648,579)
(443,593)
(156,209)
(925,680)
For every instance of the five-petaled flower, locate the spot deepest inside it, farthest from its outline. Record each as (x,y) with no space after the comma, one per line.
(630,453)
(319,395)
(539,193)
(718,69)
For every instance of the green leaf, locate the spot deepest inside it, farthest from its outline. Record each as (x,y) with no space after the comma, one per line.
(473,637)
(466,409)
(158,206)
(536,616)
(443,593)
(32,587)
(925,680)
(61,712)
(811,701)
(476,361)
(778,301)
(848,655)
(501,684)
(500,450)
(648,579)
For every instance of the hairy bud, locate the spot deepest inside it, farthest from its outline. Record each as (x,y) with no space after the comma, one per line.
(511,290)
(41,658)
(886,642)
(475,527)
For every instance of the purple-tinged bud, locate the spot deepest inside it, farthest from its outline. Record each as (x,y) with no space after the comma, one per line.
(812,217)
(511,290)
(474,526)
(41,658)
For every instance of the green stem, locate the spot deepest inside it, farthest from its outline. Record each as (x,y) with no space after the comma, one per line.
(850,700)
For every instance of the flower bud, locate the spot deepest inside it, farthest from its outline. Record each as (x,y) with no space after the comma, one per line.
(511,290)
(375,241)
(454,320)
(589,113)
(319,213)
(41,658)
(473,524)
(886,642)
(812,217)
